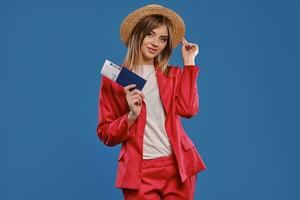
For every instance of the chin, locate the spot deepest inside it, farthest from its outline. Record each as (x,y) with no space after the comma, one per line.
(150,57)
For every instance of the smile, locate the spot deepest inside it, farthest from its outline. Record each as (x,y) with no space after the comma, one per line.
(152,51)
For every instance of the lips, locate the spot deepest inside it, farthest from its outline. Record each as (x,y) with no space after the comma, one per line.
(151,50)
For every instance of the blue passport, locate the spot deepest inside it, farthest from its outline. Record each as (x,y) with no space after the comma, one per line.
(122,75)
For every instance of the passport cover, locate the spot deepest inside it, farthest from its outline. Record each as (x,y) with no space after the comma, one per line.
(122,75)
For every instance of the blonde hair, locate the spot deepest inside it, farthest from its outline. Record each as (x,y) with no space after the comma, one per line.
(145,26)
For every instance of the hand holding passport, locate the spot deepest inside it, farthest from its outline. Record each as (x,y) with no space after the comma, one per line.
(125,77)
(122,75)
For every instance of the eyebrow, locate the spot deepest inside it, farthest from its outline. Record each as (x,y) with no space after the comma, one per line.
(164,36)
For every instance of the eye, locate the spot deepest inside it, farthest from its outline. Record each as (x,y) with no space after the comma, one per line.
(164,39)
(150,34)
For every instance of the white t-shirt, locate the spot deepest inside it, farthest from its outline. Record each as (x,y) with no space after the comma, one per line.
(156,142)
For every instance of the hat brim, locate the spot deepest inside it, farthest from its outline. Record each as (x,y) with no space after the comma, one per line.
(133,18)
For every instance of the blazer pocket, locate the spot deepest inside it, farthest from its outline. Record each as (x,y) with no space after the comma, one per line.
(123,150)
(186,142)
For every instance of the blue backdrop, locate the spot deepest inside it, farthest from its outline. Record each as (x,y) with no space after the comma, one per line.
(247,130)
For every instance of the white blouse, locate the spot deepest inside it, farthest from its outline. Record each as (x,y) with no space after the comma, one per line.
(156,142)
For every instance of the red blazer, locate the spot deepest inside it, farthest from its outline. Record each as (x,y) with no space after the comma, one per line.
(179,96)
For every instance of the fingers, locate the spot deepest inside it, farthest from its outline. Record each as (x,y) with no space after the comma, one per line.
(183,41)
(191,46)
(128,88)
(133,96)
(139,92)
(188,45)
(137,99)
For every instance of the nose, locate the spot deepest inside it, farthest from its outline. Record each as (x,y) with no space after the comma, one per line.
(155,41)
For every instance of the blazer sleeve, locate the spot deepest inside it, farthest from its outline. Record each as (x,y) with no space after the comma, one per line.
(186,92)
(112,127)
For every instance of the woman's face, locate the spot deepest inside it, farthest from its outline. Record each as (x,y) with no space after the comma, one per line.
(153,44)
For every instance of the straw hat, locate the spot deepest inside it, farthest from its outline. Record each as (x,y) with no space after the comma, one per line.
(133,18)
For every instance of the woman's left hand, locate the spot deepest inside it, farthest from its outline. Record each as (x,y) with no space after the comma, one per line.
(189,51)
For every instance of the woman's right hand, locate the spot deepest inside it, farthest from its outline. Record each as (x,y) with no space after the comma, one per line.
(134,99)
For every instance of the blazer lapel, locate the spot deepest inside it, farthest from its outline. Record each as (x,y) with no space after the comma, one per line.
(164,83)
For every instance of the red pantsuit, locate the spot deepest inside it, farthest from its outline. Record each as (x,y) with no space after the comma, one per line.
(179,95)
(160,180)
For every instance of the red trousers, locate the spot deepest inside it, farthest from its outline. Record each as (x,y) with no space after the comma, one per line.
(160,180)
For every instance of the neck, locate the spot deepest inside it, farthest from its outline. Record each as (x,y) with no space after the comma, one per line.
(147,62)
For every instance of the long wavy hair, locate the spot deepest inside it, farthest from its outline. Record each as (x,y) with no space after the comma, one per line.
(140,31)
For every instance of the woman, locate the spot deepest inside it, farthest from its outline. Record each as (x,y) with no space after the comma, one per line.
(157,159)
